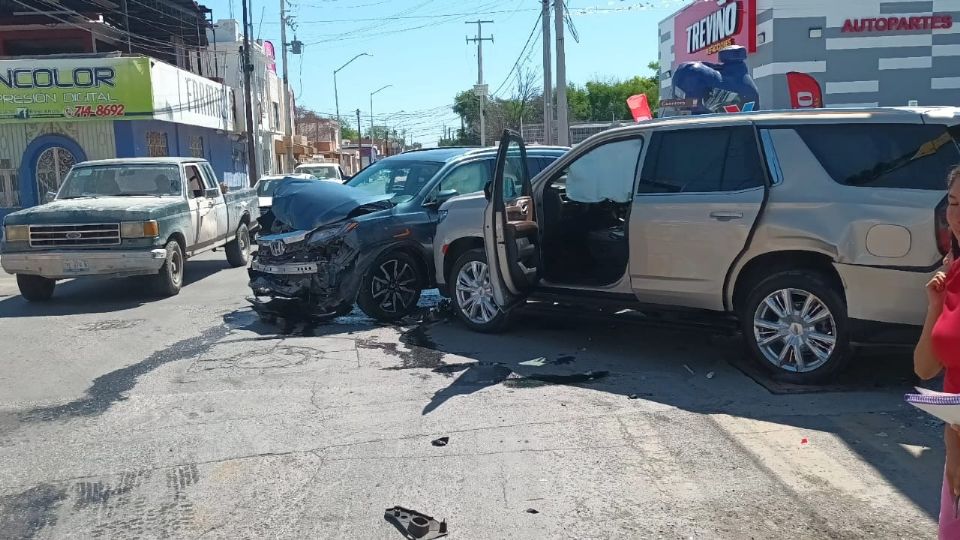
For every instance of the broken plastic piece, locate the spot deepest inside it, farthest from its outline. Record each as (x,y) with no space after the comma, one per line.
(415,525)
(688,369)
(442,441)
(711,375)
(536,362)
(532,511)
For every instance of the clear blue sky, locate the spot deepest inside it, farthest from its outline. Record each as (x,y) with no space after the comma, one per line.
(418,46)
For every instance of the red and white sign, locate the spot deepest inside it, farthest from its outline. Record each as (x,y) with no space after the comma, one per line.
(936,21)
(804,91)
(704,27)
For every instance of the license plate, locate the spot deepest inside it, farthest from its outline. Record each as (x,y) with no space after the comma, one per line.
(293,268)
(74,265)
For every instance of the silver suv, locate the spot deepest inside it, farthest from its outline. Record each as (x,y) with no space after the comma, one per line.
(814,230)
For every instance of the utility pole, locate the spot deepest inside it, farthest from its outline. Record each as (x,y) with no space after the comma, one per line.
(287,120)
(126,24)
(481,89)
(248,99)
(563,127)
(359,141)
(547,76)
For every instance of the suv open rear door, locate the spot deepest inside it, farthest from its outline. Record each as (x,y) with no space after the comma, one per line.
(511,236)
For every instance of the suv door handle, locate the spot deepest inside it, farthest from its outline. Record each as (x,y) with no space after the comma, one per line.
(726,216)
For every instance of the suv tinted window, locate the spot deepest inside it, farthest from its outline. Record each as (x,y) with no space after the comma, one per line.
(912,156)
(702,160)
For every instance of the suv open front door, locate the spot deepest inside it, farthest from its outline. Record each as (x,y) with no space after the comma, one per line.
(511,236)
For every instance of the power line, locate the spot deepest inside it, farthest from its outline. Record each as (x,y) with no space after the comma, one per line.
(536,26)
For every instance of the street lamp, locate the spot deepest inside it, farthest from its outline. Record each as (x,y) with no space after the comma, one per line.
(375,92)
(336,97)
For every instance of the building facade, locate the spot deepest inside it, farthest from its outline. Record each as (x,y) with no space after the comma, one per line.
(58,111)
(270,106)
(861,53)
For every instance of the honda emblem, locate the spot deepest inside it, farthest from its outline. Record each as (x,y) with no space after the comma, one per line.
(277,247)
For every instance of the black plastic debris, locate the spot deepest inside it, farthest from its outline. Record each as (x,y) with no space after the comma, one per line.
(532,511)
(574,378)
(414,525)
(442,441)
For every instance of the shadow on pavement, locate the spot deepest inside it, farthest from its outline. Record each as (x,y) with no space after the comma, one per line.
(104,295)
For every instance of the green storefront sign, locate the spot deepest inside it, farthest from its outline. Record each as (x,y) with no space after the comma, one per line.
(75,89)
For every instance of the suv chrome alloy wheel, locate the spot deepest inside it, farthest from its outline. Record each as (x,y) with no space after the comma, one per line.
(795,330)
(474,293)
(391,286)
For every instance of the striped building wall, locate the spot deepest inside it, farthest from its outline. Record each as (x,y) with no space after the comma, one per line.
(854,69)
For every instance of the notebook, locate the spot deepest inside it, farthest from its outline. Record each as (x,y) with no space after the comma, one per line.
(940,404)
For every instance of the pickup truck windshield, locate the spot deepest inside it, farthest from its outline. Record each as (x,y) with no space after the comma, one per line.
(127,180)
(401,178)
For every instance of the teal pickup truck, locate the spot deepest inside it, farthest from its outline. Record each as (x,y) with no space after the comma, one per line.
(127,217)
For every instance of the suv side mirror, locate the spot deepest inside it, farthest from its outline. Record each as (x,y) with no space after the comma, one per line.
(488,190)
(49,197)
(446,195)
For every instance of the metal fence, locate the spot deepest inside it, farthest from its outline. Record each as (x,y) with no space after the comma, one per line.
(533,133)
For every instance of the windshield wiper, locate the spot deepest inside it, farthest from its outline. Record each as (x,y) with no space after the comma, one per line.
(77,197)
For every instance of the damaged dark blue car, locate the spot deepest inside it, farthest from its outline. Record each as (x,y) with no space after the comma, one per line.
(326,246)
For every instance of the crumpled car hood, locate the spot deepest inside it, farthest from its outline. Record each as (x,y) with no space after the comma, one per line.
(308,204)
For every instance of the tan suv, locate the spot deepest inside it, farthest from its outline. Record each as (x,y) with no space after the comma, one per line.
(814,230)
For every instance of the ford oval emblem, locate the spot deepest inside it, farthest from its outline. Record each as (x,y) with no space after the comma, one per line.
(74,235)
(277,247)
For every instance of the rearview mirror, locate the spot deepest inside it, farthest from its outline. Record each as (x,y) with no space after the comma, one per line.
(488,190)
(49,197)
(211,193)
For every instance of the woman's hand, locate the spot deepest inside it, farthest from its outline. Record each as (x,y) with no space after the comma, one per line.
(935,291)
(952,440)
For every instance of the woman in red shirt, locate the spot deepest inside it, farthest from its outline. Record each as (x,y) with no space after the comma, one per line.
(939,350)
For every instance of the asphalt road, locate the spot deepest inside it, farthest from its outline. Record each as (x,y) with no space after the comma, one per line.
(126,416)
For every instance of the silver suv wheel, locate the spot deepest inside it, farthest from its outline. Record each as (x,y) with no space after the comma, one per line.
(795,330)
(474,293)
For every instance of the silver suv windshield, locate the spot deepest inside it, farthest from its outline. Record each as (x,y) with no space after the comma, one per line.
(403,179)
(127,180)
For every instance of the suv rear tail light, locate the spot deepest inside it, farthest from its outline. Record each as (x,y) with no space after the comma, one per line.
(944,237)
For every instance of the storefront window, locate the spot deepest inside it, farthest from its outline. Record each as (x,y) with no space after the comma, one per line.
(9,189)
(157,144)
(52,167)
(196,146)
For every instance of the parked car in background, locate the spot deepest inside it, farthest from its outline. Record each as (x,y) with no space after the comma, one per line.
(322,171)
(369,241)
(266,185)
(814,230)
(126,217)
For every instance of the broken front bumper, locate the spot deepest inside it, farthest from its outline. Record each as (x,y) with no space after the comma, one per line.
(324,277)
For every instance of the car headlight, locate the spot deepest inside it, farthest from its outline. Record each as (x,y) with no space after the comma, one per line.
(327,234)
(139,229)
(16,233)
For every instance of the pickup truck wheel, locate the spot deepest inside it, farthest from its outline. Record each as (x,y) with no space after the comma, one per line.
(238,249)
(170,278)
(473,302)
(35,288)
(795,324)
(391,287)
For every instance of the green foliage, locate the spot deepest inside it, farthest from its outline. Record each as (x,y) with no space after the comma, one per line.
(594,101)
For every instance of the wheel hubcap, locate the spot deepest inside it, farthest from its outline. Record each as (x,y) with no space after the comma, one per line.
(475,294)
(175,266)
(795,330)
(394,286)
